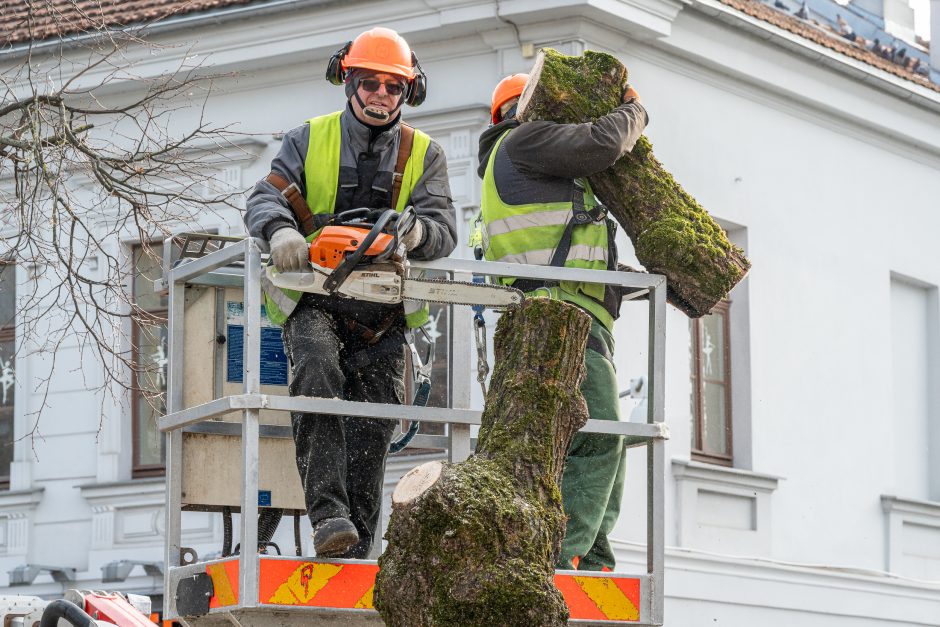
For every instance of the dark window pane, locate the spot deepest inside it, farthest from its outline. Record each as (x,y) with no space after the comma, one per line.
(710,368)
(7,389)
(7,294)
(438,332)
(148,268)
(715,419)
(7,373)
(713,347)
(151,400)
(6,442)
(693,391)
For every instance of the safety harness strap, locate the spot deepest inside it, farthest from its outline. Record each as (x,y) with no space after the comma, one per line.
(579,215)
(309,223)
(404,153)
(379,343)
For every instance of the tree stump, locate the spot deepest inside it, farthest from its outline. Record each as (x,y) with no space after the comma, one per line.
(671,233)
(475,543)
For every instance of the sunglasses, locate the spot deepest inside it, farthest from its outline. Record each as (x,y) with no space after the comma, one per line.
(371,85)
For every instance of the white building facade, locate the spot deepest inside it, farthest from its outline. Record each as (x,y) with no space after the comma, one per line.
(822,506)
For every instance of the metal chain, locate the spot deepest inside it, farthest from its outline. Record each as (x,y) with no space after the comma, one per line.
(479,335)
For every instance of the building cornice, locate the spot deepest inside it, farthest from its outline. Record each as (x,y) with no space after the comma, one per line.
(767,584)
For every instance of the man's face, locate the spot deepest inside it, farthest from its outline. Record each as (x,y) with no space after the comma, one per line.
(506,107)
(373,90)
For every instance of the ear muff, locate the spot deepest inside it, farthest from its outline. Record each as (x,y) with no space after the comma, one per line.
(334,67)
(417,89)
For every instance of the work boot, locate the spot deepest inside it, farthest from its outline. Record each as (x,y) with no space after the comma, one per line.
(334,536)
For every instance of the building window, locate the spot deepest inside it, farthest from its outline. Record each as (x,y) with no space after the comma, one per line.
(149,339)
(711,387)
(7,368)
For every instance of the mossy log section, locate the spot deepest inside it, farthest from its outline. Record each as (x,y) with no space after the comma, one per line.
(475,543)
(671,233)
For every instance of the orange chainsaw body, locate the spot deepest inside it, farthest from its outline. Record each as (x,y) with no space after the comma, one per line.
(333,243)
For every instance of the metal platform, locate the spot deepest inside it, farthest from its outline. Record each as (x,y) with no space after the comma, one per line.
(242,588)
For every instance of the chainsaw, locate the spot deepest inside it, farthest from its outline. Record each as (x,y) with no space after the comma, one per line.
(355,257)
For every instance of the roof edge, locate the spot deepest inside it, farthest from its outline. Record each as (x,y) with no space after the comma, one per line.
(876,77)
(216,16)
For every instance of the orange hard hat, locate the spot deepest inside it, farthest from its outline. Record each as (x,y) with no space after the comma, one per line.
(507,89)
(381,50)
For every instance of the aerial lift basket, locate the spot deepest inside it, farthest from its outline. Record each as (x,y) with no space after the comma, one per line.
(264,590)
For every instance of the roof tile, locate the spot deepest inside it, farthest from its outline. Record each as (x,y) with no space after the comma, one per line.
(37,20)
(831,40)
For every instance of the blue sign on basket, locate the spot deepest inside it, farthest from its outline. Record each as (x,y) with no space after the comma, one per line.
(273,366)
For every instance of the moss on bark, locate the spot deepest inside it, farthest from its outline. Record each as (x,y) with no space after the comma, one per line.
(671,232)
(478,547)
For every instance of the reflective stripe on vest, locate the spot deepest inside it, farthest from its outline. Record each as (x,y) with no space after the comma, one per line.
(530,233)
(321,172)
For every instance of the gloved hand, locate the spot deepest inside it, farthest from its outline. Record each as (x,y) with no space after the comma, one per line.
(289,250)
(629,94)
(413,237)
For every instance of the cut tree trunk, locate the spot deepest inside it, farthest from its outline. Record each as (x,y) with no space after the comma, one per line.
(671,233)
(475,543)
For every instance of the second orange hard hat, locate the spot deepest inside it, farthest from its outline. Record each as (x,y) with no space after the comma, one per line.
(507,89)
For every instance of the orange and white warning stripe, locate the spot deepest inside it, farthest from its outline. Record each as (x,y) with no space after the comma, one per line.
(317,584)
(342,585)
(602,597)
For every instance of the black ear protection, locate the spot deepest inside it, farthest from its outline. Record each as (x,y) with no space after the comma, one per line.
(415,92)
(334,68)
(418,86)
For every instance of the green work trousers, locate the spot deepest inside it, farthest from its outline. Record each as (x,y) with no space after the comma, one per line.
(592,484)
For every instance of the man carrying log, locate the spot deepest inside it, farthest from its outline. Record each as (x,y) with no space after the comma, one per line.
(538,208)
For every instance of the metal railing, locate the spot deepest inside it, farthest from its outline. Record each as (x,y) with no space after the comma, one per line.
(239,263)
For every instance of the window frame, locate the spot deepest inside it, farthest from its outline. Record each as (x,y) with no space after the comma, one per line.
(138,470)
(8,334)
(698,452)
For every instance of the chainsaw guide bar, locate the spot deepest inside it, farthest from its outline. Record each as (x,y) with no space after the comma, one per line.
(388,287)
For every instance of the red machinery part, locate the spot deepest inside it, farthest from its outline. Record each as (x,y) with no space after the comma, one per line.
(114,608)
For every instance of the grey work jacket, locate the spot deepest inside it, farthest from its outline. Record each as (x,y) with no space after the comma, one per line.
(268,211)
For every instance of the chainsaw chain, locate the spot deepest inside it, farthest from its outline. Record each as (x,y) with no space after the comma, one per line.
(487,285)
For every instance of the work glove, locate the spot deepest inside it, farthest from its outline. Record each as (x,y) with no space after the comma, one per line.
(414,236)
(289,250)
(629,94)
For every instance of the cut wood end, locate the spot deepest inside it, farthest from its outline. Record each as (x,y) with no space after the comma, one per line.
(534,75)
(416,482)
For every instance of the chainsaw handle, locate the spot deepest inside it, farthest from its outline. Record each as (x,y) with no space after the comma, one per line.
(352,215)
(339,275)
(406,221)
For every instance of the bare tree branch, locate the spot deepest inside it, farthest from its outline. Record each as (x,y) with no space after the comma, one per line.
(87,160)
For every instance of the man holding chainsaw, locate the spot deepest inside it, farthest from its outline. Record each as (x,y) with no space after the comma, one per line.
(538,208)
(360,157)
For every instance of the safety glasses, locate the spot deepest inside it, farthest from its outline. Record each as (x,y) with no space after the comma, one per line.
(371,85)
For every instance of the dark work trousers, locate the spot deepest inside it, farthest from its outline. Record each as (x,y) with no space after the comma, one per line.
(341,459)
